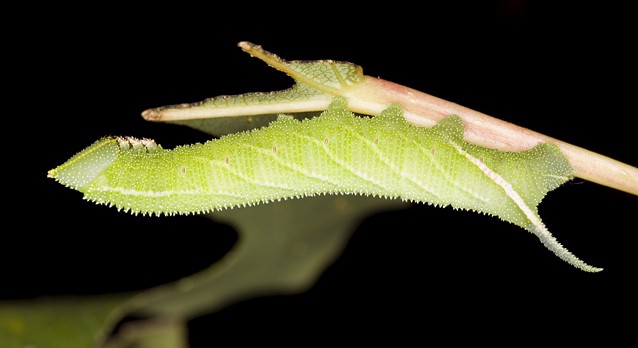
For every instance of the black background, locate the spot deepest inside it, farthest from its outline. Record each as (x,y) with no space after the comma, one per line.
(417,275)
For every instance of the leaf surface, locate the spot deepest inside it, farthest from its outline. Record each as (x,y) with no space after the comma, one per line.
(53,322)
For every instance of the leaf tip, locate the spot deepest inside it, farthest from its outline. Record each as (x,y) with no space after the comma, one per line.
(152,114)
(246,46)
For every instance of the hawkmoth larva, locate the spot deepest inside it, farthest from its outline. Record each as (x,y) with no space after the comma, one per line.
(335,153)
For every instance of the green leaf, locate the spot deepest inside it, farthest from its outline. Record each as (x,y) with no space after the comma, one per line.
(152,333)
(53,322)
(219,126)
(283,248)
(316,83)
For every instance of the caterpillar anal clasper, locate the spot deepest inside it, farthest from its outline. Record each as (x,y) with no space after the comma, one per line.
(335,153)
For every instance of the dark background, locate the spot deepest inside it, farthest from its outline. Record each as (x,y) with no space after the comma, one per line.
(416,275)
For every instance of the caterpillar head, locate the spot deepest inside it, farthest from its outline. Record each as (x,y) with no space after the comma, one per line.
(82,169)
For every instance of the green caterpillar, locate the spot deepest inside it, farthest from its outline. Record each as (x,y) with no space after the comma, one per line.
(335,153)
